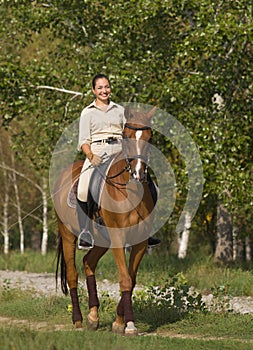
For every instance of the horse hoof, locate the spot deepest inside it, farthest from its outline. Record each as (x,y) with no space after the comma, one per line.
(91,323)
(118,328)
(78,325)
(131,330)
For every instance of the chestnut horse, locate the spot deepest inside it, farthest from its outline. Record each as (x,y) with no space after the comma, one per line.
(126,208)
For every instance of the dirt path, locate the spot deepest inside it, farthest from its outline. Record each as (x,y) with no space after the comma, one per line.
(44,283)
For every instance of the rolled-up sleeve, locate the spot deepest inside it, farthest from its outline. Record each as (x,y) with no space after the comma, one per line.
(84,130)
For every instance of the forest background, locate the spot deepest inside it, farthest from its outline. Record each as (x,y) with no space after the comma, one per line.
(192,58)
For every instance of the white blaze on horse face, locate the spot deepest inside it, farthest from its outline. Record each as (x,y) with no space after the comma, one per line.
(137,175)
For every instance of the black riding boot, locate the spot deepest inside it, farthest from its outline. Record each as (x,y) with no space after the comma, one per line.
(85,238)
(152,241)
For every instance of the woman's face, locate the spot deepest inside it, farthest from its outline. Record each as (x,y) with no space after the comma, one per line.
(102,90)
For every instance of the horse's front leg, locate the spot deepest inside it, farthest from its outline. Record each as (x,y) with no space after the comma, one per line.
(136,255)
(124,322)
(90,262)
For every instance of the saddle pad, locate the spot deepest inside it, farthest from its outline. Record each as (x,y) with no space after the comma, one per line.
(71,199)
(95,187)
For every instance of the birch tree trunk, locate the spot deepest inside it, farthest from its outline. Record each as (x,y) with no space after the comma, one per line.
(184,238)
(242,248)
(224,244)
(43,190)
(248,250)
(5,220)
(5,196)
(45,224)
(18,203)
(5,230)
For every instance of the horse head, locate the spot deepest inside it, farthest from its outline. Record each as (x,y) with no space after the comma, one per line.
(137,136)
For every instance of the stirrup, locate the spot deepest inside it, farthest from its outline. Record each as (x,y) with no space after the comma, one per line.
(85,240)
(153,242)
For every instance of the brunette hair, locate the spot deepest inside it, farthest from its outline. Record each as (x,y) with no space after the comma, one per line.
(99,76)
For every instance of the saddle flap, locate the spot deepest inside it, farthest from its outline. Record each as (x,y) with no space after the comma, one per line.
(96,185)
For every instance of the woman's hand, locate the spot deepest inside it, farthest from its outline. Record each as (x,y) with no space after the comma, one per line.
(94,159)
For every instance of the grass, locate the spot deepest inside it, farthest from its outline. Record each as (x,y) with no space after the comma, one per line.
(29,261)
(28,340)
(44,315)
(35,321)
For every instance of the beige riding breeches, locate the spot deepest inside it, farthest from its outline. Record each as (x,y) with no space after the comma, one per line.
(103,150)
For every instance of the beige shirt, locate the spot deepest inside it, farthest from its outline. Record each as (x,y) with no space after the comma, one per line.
(96,124)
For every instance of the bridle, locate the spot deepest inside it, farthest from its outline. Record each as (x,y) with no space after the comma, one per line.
(129,159)
(137,156)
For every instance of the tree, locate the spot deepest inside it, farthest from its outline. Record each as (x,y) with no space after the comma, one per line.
(177,54)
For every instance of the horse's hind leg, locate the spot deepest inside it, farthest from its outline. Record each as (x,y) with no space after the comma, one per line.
(69,252)
(90,262)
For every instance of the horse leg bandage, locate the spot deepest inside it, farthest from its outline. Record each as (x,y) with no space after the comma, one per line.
(125,307)
(92,291)
(76,312)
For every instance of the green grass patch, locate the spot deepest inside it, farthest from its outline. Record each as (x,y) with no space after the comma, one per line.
(29,261)
(13,338)
(224,326)
(207,275)
(23,304)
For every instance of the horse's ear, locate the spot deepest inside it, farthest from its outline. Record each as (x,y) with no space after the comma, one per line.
(127,113)
(152,112)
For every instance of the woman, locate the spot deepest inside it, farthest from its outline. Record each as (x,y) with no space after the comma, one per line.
(100,135)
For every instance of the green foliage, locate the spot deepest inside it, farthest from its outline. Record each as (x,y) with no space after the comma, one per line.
(174,300)
(221,301)
(177,54)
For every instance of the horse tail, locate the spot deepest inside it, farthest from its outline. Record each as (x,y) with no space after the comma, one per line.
(61,262)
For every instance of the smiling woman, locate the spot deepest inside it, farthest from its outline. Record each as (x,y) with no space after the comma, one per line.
(100,136)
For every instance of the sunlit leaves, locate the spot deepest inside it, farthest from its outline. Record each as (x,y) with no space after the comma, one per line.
(177,54)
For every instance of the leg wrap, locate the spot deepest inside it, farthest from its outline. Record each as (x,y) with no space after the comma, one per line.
(92,291)
(120,308)
(76,312)
(125,307)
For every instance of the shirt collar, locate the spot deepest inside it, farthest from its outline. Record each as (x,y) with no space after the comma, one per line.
(110,106)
